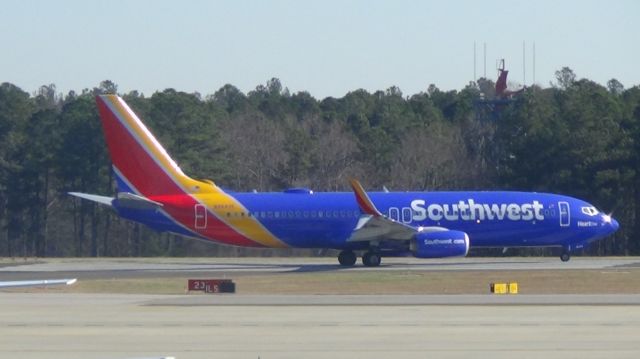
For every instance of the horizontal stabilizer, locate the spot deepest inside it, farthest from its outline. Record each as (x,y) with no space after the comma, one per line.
(94,197)
(130,200)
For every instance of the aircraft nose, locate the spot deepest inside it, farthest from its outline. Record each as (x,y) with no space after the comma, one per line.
(611,223)
(614,225)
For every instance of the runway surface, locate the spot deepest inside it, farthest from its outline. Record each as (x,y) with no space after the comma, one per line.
(70,326)
(56,324)
(124,268)
(398,300)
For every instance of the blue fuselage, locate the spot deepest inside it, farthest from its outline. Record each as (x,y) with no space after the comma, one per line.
(491,219)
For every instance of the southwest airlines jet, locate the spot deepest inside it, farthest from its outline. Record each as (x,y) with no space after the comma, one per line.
(153,190)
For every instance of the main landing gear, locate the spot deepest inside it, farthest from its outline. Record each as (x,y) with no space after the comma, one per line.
(347,258)
(371,259)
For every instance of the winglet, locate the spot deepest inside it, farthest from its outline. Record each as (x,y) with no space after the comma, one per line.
(366,206)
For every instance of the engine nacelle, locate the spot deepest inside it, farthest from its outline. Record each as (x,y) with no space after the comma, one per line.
(440,244)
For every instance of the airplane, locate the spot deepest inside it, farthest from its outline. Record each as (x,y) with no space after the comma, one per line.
(153,190)
(36,283)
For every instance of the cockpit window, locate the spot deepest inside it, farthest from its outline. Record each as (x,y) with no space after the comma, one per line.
(590,211)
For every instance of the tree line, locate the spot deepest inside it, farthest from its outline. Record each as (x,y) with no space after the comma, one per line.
(574,137)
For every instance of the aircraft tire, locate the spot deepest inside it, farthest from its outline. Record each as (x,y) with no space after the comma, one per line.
(565,256)
(371,259)
(347,258)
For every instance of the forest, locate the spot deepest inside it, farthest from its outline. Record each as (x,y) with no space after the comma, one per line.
(573,137)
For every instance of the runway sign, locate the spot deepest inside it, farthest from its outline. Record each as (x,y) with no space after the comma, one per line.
(212,285)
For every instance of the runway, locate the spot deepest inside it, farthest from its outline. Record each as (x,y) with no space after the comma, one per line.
(149,267)
(84,326)
(54,323)
(398,300)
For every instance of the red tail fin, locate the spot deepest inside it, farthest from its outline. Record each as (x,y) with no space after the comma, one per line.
(140,162)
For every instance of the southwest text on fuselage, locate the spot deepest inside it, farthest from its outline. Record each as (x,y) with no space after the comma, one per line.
(469,210)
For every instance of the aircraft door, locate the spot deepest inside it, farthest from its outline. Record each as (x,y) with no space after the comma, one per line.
(394,214)
(407,215)
(200,216)
(565,214)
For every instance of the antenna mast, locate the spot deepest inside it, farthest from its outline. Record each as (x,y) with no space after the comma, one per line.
(485,60)
(534,63)
(524,68)
(474,62)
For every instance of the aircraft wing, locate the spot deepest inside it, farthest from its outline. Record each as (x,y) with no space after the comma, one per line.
(36,283)
(379,227)
(373,225)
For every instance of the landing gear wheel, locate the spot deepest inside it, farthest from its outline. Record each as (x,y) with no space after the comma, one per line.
(565,256)
(347,258)
(371,259)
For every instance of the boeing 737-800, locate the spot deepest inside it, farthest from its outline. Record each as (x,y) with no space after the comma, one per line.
(153,190)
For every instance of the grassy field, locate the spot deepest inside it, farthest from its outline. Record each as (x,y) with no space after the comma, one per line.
(371,282)
(106,275)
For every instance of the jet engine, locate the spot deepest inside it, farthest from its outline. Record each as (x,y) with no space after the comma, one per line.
(440,244)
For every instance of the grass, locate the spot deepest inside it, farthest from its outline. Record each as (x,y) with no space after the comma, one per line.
(625,281)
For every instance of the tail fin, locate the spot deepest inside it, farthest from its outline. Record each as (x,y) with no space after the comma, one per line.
(142,166)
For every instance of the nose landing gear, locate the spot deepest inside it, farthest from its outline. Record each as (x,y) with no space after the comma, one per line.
(566,253)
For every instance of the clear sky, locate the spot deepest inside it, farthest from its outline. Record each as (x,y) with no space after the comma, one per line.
(326,47)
